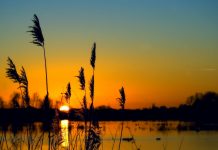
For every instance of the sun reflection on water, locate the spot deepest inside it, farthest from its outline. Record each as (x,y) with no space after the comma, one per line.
(64,133)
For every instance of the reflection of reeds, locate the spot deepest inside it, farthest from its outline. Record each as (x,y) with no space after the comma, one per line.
(94,139)
(3,137)
(113,138)
(133,139)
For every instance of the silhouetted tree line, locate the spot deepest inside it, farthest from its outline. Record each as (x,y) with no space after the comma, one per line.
(198,108)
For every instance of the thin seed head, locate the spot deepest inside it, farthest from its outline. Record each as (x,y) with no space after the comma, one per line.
(81,78)
(122,98)
(36,32)
(11,71)
(93,56)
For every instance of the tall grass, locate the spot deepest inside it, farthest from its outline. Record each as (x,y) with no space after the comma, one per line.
(38,40)
(92,81)
(121,100)
(21,79)
(11,73)
(94,139)
(92,133)
(23,85)
(82,81)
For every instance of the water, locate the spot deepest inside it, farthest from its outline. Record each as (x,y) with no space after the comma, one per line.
(147,136)
(139,135)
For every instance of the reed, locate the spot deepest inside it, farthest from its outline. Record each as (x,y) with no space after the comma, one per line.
(68,93)
(11,73)
(92,81)
(121,100)
(24,85)
(94,139)
(38,40)
(82,81)
(21,79)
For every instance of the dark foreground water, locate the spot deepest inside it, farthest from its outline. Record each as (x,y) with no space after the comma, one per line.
(136,135)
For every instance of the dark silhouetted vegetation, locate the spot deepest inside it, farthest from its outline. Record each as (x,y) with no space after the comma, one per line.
(200,109)
(122,101)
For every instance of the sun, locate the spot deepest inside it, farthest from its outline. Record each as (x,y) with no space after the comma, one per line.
(64,108)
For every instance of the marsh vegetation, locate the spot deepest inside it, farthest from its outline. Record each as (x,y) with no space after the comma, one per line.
(32,123)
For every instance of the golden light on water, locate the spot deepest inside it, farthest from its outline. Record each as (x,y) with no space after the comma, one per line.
(64,133)
(64,108)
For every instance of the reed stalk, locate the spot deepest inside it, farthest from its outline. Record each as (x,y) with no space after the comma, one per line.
(121,100)
(38,40)
(82,81)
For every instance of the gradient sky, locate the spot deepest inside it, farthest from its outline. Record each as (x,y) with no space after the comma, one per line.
(161,51)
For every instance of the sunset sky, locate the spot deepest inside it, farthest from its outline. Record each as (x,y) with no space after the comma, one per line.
(161,51)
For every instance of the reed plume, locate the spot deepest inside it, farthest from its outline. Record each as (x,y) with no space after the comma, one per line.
(81,78)
(94,139)
(68,93)
(69,90)
(122,98)
(82,81)
(38,40)
(36,32)
(93,56)
(11,71)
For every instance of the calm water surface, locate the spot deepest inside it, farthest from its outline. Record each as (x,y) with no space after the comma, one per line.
(146,135)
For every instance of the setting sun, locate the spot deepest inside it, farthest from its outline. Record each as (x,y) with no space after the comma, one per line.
(64,108)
